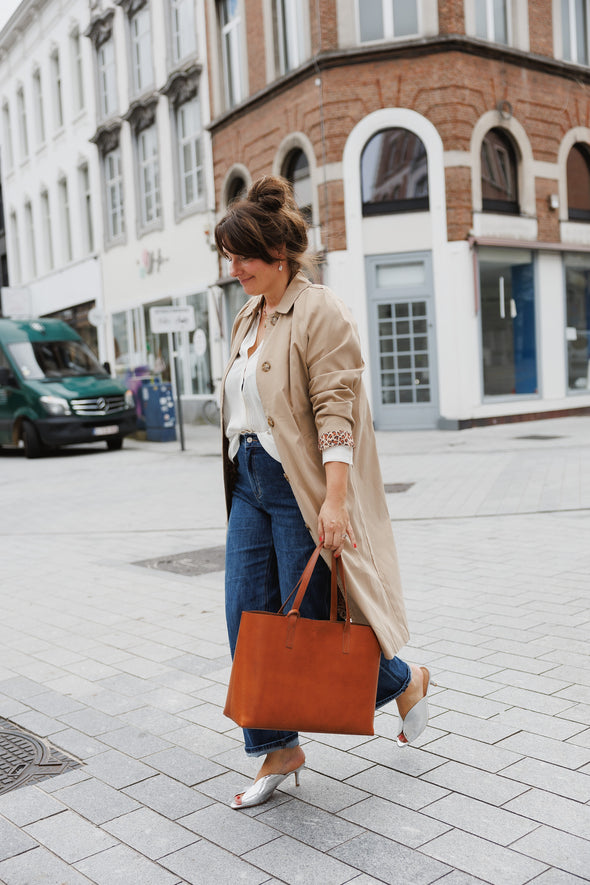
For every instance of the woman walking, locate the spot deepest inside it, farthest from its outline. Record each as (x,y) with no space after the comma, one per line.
(301,464)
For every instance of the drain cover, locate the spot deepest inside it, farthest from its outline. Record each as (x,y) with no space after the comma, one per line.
(195,562)
(393,488)
(27,759)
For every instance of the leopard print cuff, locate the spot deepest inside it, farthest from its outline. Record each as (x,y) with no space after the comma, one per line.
(335,438)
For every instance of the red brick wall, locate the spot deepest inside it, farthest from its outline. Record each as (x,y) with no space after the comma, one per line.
(452,90)
(451,16)
(541,27)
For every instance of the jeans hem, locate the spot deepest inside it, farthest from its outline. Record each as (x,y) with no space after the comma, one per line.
(283,744)
(392,697)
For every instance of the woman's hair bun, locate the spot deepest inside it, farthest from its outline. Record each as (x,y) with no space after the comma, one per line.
(270,193)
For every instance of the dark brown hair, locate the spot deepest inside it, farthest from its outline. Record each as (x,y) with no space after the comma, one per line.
(267,222)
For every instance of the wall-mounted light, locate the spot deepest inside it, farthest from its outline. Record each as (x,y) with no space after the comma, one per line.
(504,108)
(553,201)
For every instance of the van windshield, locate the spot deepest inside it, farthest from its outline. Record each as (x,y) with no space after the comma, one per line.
(37,360)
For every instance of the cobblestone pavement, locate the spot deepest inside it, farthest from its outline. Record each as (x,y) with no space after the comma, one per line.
(124,667)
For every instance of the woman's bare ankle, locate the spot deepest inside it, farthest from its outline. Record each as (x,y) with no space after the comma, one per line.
(281,761)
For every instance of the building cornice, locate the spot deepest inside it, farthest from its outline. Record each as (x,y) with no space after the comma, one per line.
(107,136)
(142,112)
(182,84)
(441,44)
(100,28)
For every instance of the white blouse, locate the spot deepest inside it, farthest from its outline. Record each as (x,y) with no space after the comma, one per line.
(244,411)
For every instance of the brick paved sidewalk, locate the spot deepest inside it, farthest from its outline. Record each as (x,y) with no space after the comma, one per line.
(125,668)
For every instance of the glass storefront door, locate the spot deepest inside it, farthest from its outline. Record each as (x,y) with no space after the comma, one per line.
(509,347)
(577,288)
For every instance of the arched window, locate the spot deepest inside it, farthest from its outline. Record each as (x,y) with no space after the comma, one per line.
(578,183)
(394,173)
(499,173)
(236,189)
(296,170)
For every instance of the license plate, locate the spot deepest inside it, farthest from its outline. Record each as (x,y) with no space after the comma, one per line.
(107,430)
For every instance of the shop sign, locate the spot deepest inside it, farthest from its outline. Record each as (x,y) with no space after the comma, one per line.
(172,319)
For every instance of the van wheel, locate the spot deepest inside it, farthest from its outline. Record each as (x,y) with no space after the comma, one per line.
(114,444)
(31,442)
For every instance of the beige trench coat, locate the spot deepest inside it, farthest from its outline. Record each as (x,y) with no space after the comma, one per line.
(309,381)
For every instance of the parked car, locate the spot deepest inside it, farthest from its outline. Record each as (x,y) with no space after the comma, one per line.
(54,392)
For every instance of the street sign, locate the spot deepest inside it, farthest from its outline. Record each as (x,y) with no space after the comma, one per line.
(172,319)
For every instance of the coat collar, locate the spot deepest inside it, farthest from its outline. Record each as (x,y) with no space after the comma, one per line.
(292,292)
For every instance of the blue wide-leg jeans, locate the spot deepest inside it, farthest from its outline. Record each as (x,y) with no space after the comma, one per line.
(268,546)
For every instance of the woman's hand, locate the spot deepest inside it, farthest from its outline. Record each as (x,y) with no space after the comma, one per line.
(334,524)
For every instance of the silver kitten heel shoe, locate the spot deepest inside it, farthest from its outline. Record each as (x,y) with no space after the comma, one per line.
(416,719)
(262,790)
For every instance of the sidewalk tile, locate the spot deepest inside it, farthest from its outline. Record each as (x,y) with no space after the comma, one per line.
(483,859)
(134,742)
(555,811)
(558,849)
(316,828)
(553,778)
(40,867)
(291,861)
(537,723)
(230,829)
(480,818)
(411,792)
(150,833)
(96,801)
(168,797)
(472,782)
(394,821)
(13,841)
(27,805)
(490,731)
(122,866)
(70,836)
(474,753)
(390,861)
(547,750)
(206,864)
(117,769)
(408,760)
(189,768)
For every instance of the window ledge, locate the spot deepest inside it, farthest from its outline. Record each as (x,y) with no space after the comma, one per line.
(575,232)
(511,227)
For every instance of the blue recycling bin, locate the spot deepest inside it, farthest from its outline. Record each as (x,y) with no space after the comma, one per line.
(158,410)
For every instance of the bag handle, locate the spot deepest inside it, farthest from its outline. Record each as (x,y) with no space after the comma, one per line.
(301,588)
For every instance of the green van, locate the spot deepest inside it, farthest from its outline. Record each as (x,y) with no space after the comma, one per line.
(54,392)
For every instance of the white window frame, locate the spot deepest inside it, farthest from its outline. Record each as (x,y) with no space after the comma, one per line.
(491,23)
(107,78)
(231,52)
(190,139)
(113,181)
(39,107)
(570,53)
(148,171)
(47,230)
(56,88)
(22,121)
(140,34)
(290,33)
(388,22)
(77,70)
(16,272)
(86,208)
(7,140)
(65,219)
(30,240)
(183,36)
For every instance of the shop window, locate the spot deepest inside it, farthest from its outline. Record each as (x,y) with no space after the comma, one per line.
(574,30)
(296,171)
(230,32)
(578,183)
(394,173)
(499,173)
(577,287)
(200,345)
(387,19)
(507,292)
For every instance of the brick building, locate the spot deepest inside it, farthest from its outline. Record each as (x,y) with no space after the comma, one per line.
(441,149)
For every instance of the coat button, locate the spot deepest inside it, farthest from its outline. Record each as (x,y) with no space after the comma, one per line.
(271,423)
(274,319)
(265,367)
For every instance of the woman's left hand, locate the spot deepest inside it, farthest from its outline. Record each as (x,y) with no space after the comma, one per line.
(334,526)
